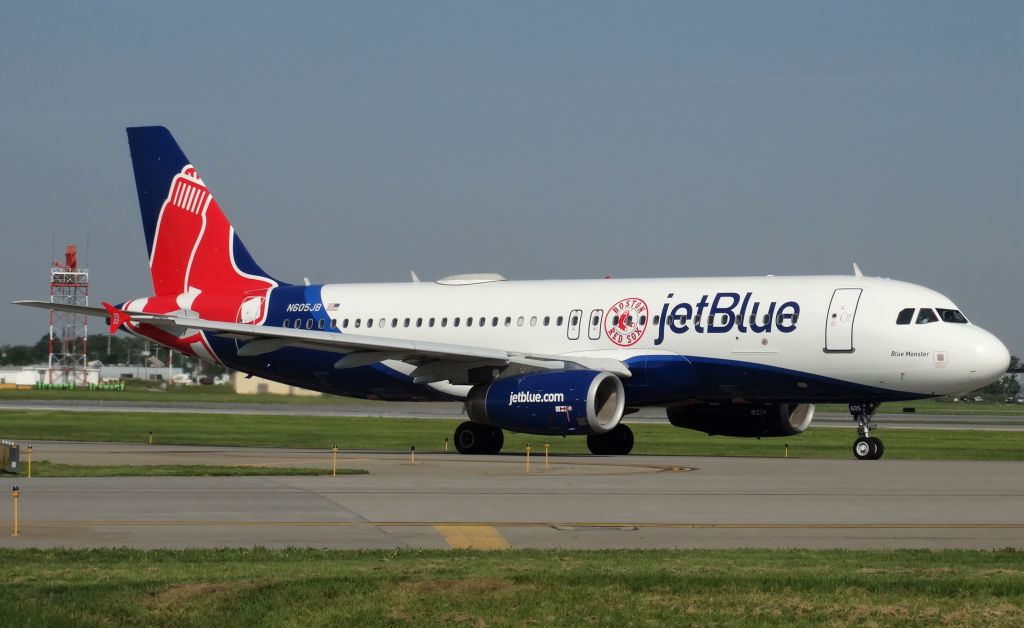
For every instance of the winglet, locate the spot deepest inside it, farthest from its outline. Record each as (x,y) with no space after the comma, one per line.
(117,317)
(856,270)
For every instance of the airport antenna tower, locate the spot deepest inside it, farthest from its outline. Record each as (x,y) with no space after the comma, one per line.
(69,285)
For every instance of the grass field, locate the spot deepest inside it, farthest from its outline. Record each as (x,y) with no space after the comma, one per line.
(511,588)
(394,434)
(47,469)
(151,392)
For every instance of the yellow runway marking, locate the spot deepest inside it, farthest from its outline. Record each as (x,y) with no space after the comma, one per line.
(473,537)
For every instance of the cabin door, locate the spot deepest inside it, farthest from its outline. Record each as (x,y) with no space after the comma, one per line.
(839,324)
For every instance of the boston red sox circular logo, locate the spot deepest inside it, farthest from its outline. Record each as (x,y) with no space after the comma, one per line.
(626,321)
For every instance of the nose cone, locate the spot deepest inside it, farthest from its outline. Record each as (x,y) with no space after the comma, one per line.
(989,360)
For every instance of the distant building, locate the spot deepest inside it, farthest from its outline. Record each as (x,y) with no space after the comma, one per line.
(258,386)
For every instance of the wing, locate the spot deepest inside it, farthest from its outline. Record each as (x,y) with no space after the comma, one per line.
(433,361)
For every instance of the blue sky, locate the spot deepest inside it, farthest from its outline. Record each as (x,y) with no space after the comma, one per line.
(354,142)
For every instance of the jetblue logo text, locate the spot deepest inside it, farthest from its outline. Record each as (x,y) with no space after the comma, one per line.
(531,397)
(725,312)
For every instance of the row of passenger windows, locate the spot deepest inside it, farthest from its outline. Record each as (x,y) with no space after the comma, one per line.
(927,315)
(495,321)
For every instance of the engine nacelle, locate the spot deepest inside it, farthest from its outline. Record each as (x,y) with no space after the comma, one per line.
(560,402)
(747,420)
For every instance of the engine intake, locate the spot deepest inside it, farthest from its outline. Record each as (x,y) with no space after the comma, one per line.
(754,420)
(560,402)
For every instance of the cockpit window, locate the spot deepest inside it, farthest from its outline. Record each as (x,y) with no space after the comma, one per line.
(926,315)
(951,316)
(905,316)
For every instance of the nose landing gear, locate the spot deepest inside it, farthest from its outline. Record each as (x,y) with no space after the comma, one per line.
(866,447)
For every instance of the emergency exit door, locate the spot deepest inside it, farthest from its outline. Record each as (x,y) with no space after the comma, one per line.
(839,324)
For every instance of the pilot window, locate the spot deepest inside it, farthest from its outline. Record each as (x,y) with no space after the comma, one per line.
(905,316)
(926,315)
(951,316)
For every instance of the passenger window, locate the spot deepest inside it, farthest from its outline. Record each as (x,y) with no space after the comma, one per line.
(643,320)
(320,324)
(394,322)
(905,316)
(508,321)
(926,315)
(533,321)
(520,320)
(951,316)
(595,321)
(383,323)
(285,323)
(483,321)
(358,322)
(494,322)
(344,324)
(615,321)
(419,322)
(558,321)
(309,323)
(656,319)
(574,321)
(444,322)
(431,322)
(369,322)
(469,321)
(547,321)
(405,323)
(455,323)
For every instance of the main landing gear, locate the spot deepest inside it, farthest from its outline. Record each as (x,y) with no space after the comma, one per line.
(616,442)
(474,438)
(866,447)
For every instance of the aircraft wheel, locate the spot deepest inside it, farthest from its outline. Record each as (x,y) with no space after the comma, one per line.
(617,442)
(495,440)
(863,449)
(622,439)
(469,438)
(598,444)
(879,448)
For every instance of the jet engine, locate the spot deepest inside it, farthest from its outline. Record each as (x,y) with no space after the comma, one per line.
(746,420)
(559,402)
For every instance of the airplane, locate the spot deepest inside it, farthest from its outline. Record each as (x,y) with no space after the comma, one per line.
(731,356)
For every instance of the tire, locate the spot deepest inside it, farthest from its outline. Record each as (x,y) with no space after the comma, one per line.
(598,444)
(495,441)
(468,438)
(863,449)
(623,439)
(878,448)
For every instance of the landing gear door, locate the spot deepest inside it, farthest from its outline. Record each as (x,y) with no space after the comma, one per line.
(575,318)
(839,324)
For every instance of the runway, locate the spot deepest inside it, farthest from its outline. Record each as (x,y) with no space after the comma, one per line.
(448,500)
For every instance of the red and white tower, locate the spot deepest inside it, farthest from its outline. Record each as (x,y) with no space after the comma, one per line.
(69,285)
